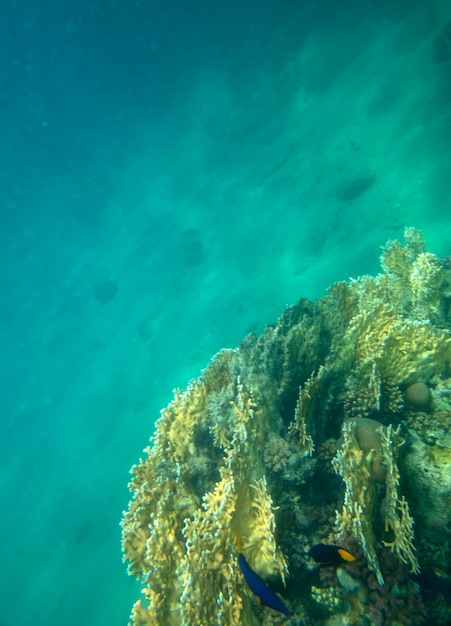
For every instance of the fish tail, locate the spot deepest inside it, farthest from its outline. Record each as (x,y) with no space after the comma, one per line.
(345,555)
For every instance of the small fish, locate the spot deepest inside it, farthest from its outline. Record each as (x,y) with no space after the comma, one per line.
(330,555)
(257,585)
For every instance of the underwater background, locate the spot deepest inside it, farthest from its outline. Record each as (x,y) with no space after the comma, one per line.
(172,175)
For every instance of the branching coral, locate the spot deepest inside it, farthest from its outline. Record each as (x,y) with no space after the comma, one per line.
(356,516)
(207,563)
(367,456)
(304,412)
(395,509)
(395,330)
(185,550)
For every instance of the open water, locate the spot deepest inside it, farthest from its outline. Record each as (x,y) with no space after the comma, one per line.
(172,174)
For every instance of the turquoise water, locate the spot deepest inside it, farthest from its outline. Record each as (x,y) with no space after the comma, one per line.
(172,175)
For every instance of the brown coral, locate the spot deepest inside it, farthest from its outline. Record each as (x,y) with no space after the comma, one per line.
(418,396)
(368,434)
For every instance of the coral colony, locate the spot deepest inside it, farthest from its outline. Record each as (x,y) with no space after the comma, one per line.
(329,429)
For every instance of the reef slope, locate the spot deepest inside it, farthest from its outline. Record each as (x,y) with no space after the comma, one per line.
(332,426)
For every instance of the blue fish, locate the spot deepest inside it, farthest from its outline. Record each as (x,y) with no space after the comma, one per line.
(257,585)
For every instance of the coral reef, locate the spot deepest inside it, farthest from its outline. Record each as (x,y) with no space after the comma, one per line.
(331,426)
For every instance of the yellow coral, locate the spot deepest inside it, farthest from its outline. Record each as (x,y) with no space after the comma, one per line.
(356,516)
(209,563)
(397,259)
(328,597)
(183,549)
(355,463)
(176,427)
(204,479)
(395,509)
(305,405)
(394,320)
(260,546)
(393,326)
(413,277)
(399,350)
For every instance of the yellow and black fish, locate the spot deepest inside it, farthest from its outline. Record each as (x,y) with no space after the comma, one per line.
(257,585)
(328,554)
